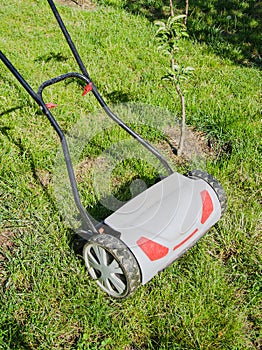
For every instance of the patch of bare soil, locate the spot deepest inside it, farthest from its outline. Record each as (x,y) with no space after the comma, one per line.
(83,4)
(82,169)
(6,245)
(195,143)
(44,177)
(196,148)
(5,242)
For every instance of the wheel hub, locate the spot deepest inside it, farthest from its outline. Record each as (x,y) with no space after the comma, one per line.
(105,269)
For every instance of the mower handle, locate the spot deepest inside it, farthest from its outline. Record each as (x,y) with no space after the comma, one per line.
(99,98)
(108,111)
(61,78)
(68,39)
(89,226)
(85,233)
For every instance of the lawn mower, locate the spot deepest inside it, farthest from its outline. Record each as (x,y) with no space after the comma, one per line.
(153,229)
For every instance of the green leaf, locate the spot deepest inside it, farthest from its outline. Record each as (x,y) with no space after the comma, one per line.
(189,69)
(176,18)
(162,30)
(160,23)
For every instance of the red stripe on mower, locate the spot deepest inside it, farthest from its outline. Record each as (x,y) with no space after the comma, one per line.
(186,239)
(153,250)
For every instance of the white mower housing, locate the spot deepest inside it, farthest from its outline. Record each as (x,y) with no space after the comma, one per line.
(163,222)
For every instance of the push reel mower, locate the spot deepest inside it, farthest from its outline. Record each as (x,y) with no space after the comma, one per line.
(151,230)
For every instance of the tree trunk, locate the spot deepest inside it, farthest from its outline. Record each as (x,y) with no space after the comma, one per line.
(172,61)
(186,13)
(183,121)
(171,8)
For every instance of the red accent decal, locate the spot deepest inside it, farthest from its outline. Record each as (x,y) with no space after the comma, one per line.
(153,250)
(207,206)
(50,105)
(185,240)
(87,88)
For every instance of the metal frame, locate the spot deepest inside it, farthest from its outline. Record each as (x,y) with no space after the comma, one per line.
(88,228)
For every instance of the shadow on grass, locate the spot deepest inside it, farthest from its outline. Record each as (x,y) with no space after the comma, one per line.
(26,154)
(52,56)
(118,97)
(13,337)
(230,28)
(119,197)
(7,111)
(99,212)
(152,10)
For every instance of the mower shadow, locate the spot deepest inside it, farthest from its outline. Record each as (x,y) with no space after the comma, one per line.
(7,111)
(26,153)
(120,197)
(99,212)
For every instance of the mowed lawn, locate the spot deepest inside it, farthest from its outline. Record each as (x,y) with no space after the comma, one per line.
(208,299)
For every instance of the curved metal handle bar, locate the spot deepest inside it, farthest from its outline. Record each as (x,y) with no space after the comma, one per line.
(39,100)
(85,217)
(61,78)
(108,111)
(68,38)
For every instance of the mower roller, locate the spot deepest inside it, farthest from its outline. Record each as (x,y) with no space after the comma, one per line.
(154,228)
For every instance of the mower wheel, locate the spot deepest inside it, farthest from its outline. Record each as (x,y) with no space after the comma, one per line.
(112,265)
(221,194)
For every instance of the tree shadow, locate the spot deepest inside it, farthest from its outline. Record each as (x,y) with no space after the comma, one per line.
(52,56)
(231,28)
(152,10)
(118,97)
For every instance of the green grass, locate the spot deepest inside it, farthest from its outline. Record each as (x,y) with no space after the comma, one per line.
(231,28)
(209,299)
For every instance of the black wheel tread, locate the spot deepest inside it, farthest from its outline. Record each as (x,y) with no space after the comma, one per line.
(214,183)
(124,256)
